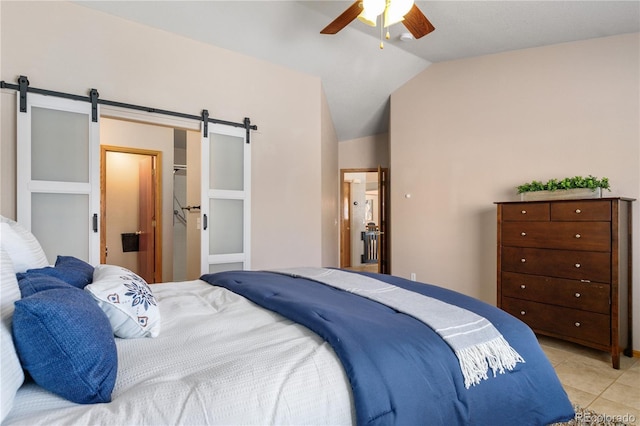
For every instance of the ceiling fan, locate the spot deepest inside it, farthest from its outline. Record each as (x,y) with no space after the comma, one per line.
(392,11)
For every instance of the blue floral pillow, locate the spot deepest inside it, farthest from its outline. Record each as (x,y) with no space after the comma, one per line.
(65,342)
(127,301)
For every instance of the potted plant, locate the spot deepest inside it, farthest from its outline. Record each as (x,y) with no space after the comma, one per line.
(567,188)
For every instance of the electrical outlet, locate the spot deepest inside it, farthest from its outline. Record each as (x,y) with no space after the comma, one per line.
(413,276)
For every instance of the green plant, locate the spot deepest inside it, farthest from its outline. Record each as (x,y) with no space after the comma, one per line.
(590,182)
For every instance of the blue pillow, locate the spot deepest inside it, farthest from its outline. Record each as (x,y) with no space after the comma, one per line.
(69,269)
(31,283)
(65,342)
(81,267)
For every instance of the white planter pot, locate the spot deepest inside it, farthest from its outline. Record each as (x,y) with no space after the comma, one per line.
(562,194)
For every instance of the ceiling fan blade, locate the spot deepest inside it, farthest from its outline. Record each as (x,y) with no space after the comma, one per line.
(417,23)
(344,19)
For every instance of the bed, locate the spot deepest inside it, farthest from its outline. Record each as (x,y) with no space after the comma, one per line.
(238,348)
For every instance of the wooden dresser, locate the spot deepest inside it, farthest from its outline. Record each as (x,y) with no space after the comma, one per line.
(564,268)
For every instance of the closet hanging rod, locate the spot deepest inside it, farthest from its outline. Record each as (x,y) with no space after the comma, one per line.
(23,87)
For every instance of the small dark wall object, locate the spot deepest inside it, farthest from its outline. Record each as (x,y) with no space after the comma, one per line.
(130,242)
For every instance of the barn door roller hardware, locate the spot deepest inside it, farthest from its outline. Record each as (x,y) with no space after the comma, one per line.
(23,88)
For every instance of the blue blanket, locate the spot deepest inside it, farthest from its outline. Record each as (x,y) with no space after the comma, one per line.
(401,372)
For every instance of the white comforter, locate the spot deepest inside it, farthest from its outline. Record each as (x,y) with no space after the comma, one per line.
(219,359)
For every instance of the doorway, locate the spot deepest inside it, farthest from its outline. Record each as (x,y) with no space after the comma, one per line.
(364,212)
(130,203)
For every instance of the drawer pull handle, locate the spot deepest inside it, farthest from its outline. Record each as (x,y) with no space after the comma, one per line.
(577,265)
(522,286)
(577,324)
(522,313)
(523,260)
(524,234)
(523,212)
(578,294)
(578,235)
(578,211)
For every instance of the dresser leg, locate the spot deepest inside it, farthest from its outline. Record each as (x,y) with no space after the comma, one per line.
(615,359)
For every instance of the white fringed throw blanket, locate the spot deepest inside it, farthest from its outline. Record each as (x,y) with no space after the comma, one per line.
(475,341)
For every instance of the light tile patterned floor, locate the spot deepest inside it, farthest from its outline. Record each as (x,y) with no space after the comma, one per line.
(592,383)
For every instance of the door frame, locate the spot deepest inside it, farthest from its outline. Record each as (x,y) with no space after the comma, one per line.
(384,260)
(157,177)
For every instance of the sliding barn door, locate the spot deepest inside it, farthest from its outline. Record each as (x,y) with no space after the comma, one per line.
(58,175)
(226,199)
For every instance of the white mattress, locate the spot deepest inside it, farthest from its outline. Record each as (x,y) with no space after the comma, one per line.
(219,359)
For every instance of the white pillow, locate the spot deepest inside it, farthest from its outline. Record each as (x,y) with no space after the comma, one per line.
(12,374)
(21,245)
(127,300)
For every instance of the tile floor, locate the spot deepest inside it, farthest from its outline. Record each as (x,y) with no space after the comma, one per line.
(592,383)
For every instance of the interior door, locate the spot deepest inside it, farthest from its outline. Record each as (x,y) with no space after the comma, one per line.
(383,212)
(147,220)
(345,235)
(57,176)
(351,221)
(225,200)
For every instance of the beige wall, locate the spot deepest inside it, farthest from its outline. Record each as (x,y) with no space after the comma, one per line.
(69,48)
(465,133)
(330,232)
(366,152)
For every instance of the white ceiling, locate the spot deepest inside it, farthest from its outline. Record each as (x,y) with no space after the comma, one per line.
(356,75)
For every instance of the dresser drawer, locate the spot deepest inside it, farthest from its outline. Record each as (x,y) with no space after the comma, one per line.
(588,236)
(580,265)
(526,212)
(588,326)
(581,210)
(593,297)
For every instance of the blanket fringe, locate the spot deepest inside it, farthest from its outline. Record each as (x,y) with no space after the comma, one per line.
(476,360)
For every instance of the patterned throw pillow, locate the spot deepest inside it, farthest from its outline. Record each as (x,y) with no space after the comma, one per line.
(127,300)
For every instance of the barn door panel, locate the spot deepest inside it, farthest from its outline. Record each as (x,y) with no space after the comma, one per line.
(58,176)
(226,199)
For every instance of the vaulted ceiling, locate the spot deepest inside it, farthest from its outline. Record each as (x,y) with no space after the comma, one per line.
(357,76)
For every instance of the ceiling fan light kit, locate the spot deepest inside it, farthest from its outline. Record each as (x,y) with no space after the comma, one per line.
(371,9)
(395,11)
(392,11)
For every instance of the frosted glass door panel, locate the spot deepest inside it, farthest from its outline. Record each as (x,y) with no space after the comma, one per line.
(59,148)
(61,223)
(227,162)
(221,267)
(226,226)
